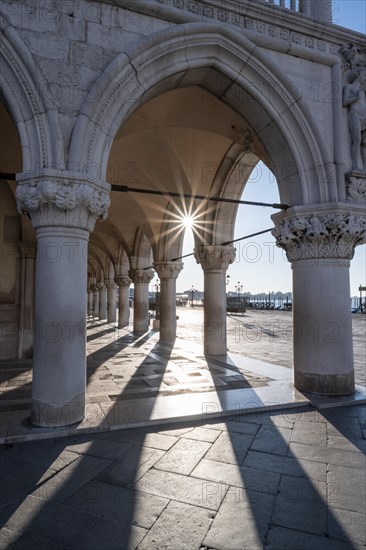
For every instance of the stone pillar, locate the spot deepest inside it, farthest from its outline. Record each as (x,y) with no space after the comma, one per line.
(63,211)
(102,301)
(168,273)
(96,302)
(124,283)
(319,241)
(214,260)
(112,301)
(90,300)
(26,317)
(141,279)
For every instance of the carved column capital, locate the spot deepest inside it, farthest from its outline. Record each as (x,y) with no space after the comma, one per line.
(320,231)
(141,276)
(111,284)
(53,200)
(214,257)
(123,281)
(101,286)
(168,270)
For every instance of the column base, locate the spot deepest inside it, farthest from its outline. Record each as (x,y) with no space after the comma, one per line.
(325,384)
(50,415)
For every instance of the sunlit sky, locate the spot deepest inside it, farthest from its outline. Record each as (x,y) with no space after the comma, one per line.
(260,266)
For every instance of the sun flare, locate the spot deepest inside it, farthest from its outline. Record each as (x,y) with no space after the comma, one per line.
(188,222)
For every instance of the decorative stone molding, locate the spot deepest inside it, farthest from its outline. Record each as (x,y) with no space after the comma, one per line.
(214,257)
(168,270)
(123,281)
(320,235)
(62,202)
(356,190)
(141,276)
(101,286)
(264,20)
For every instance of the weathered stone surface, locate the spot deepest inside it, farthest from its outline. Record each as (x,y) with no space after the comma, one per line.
(238,476)
(183,457)
(242,521)
(230,448)
(115,502)
(190,524)
(301,504)
(199,492)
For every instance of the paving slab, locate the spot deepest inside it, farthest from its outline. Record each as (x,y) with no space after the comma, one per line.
(113,502)
(286,465)
(291,539)
(198,492)
(301,504)
(242,521)
(190,525)
(57,524)
(183,457)
(131,467)
(112,535)
(347,525)
(238,476)
(272,440)
(327,454)
(348,488)
(230,448)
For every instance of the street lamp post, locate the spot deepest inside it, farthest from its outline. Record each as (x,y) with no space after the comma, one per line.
(192,295)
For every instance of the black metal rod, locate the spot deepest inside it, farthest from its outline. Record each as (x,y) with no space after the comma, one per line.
(7,176)
(126,189)
(222,244)
(247,236)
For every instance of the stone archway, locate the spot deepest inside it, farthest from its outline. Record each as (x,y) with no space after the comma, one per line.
(231,67)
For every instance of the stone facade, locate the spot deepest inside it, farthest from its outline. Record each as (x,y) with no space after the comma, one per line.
(103,94)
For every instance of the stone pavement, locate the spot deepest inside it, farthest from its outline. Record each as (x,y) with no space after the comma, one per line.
(287,479)
(136,380)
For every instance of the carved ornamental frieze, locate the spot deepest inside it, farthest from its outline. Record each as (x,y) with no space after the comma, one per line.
(320,235)
(356,190)
(168,270)
(214,257)
(141,276)
(123,281)
(62,202)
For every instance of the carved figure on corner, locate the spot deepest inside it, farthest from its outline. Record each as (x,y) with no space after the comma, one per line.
(354,98)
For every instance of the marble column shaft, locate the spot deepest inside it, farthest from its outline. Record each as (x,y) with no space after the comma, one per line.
(124,283)
(214,260)
(141,279)
(168,273)
(319,241)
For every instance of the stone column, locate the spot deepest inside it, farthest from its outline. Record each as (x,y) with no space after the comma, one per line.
(112,301)
(319,241)
(102,301)
(90,300)
(214,260)
(124,283)
(26,317)
(141,279)
(96,299)
(63,211)
(168,273)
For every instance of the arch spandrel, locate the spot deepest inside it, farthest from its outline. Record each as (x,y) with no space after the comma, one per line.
(35,115)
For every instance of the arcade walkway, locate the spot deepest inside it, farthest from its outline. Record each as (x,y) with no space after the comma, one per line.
(280,478)
(135,381)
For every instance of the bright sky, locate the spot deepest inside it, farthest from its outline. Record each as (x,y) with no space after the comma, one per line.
(260,266)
